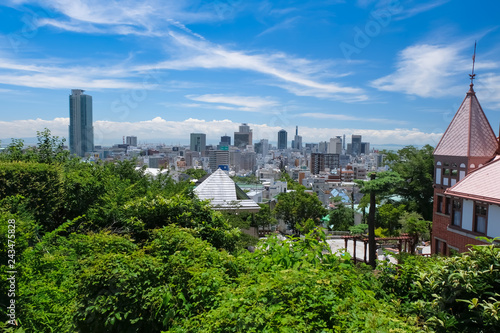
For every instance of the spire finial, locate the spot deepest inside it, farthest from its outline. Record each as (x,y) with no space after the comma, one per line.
(473,76)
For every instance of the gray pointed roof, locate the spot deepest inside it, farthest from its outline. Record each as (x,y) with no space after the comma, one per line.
(469,133)
(221,190)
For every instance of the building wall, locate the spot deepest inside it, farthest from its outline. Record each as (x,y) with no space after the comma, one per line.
(451,237)
(198,142)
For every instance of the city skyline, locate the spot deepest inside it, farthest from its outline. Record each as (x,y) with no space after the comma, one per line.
(390,71)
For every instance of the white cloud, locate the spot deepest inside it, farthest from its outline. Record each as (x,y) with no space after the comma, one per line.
(160,19)
(351,118)
(298,74)
(172,132)
(425,70)
(421,8)
(247,103)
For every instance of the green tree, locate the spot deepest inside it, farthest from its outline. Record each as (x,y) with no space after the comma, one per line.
(50,148)
(341,217)
(389,217)
(416,167)
(195,173)
(414,224)
(296,207)
(291,184)
(264,217)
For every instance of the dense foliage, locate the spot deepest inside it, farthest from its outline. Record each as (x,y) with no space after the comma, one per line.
(416,167)
(105,248)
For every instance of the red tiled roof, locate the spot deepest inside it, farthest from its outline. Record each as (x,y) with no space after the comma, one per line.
(481,184)
(469,133)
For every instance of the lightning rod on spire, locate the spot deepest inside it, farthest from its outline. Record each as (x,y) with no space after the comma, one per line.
(473,76)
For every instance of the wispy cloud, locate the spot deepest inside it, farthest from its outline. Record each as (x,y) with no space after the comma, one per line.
(285,25)
(425,70)
(244,103)
(187,49)
(343,117)
(205,55)
(420,8)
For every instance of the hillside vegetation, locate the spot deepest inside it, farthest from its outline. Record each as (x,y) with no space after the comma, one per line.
(101,247)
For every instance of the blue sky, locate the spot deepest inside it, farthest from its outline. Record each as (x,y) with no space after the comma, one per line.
(394,71)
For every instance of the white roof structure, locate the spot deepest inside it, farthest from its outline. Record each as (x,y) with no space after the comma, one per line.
(224,194)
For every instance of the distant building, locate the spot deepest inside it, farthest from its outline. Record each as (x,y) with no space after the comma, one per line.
(81,130)
(198,142)
(243,137)
(131,141)
(356,145)
(365,148)
(297,140)
(323,147)
(282,139)
(322,161)
(225,140)
(335,146)
(262,147)
(218,158)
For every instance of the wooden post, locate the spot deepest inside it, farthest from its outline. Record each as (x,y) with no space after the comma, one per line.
(354,251)
(371,228)
(365,249)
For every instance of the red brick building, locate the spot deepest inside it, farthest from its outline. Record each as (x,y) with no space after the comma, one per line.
(466,181)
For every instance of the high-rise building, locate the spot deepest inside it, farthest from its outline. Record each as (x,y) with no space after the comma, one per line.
(282,139)
(365,148)
(198,142)
(243,137)
(218,159)
(225,140)
(356,145)
(131,141)
(262,147)
(335,146)
(321,161)
(323,147)
(81,131)
(297,140)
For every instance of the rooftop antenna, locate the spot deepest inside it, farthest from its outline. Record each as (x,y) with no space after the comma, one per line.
(473,76)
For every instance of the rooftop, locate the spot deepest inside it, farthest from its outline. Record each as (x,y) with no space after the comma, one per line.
(481,184)
(469,133)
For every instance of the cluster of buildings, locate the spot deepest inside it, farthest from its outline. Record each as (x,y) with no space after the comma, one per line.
(466,179)
(334,160)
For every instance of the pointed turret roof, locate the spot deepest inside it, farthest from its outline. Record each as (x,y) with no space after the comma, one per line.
(223,193)
(469,133)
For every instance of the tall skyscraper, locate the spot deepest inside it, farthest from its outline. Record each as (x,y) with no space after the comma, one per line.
(225,140)
(198,142)
(81,131)
(365,148)
(297,140)
(356,145)
(243,137)
(282,139)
